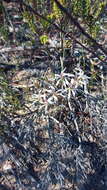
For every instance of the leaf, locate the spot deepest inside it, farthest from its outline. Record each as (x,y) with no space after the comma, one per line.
(56,11)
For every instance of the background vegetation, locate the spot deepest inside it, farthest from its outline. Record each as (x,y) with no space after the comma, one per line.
(53,94)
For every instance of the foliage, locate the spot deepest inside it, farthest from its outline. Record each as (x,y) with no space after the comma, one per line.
(57,129)
(56,12)
(90,14)
(4,31)
(9,100)
(29,18)
(51,122)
